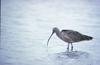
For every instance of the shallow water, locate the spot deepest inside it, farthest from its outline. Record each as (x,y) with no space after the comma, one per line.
(27,24)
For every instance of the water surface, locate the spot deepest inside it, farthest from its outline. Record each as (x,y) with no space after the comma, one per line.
(27,24)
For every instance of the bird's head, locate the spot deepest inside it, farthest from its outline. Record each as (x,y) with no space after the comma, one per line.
(55,29)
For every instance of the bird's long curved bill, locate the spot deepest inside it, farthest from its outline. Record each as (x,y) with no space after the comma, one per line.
(49,38)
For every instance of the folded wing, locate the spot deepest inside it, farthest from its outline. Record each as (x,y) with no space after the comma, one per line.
(74,36)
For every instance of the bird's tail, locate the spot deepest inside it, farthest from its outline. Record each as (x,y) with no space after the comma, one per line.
(87,37)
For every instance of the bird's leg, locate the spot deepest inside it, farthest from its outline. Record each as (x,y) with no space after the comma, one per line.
(71,47)
(68,47)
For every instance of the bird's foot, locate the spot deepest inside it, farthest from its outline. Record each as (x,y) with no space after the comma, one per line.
(71,47)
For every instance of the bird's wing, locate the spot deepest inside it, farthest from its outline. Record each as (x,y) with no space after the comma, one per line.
(73,35)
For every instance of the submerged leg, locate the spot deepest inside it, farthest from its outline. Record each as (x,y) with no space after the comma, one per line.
(71,47)
(68,47)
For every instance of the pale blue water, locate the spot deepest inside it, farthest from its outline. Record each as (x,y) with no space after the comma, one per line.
(27,24)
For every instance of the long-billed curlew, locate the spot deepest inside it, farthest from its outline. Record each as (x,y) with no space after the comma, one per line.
(69,36)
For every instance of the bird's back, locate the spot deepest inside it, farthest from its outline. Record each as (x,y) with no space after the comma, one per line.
(74,36)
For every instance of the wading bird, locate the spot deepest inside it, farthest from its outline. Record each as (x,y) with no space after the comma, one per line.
(69,36)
